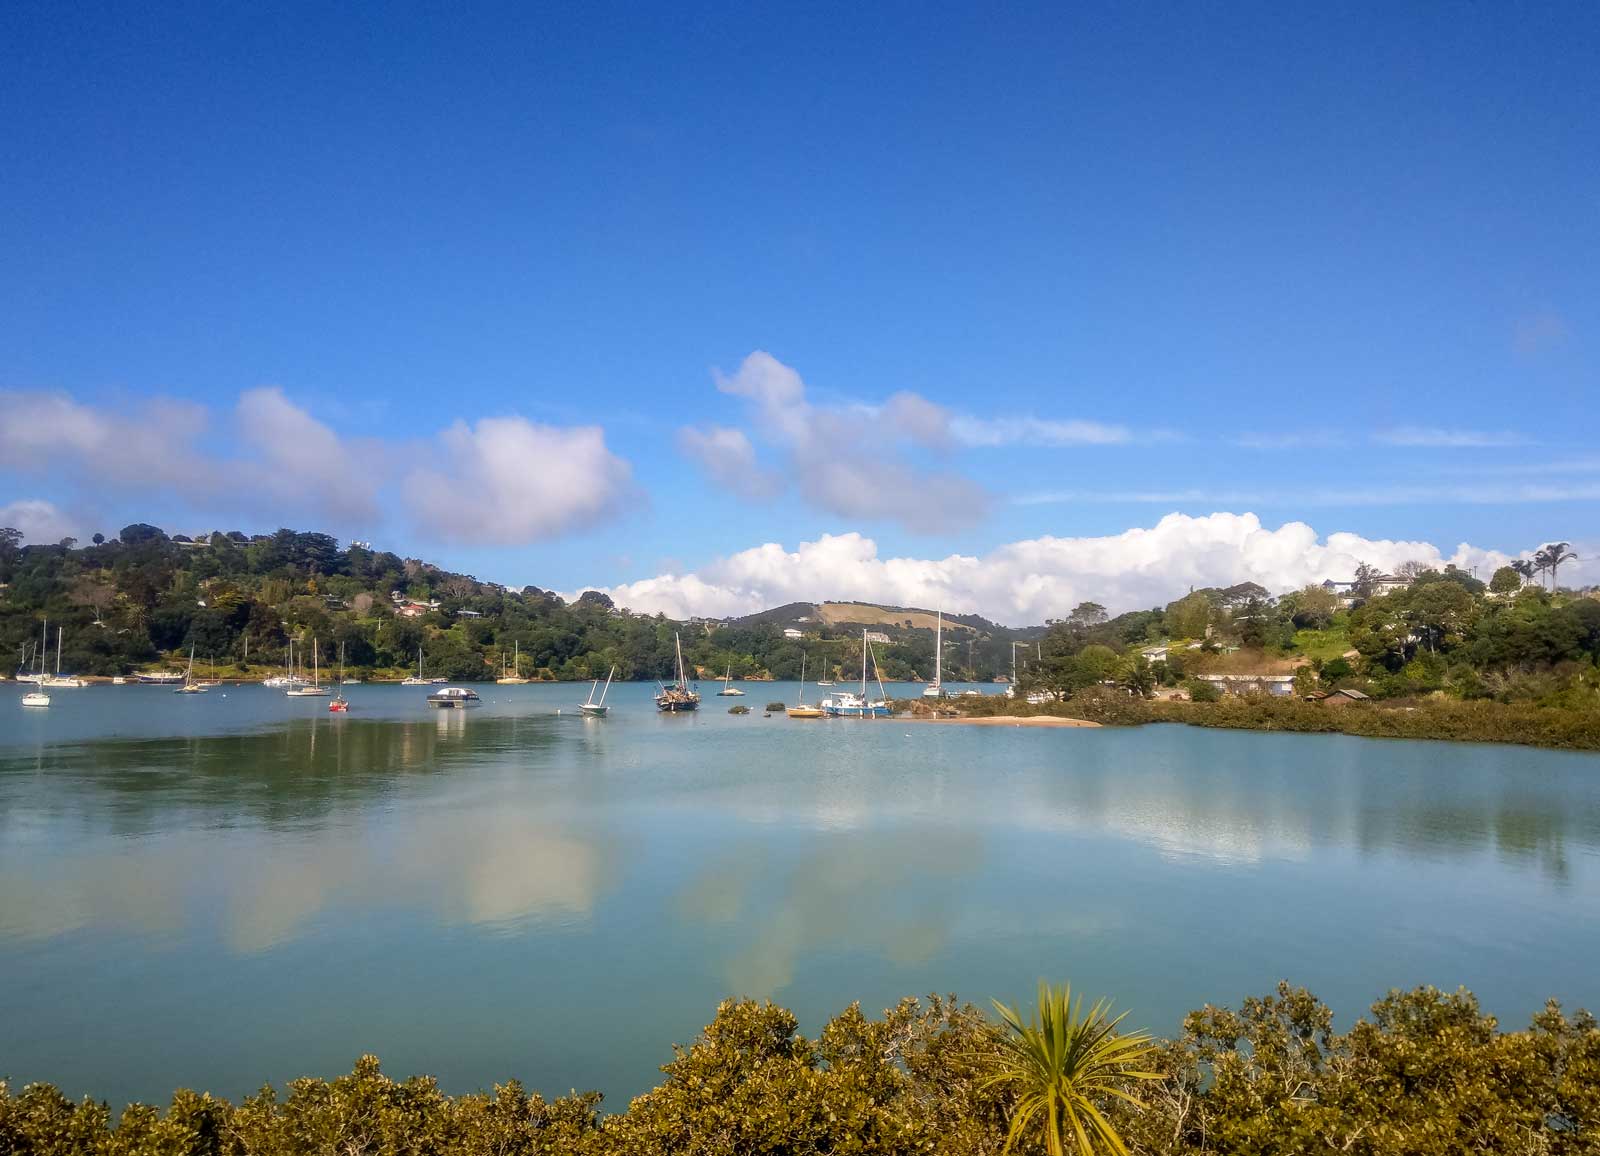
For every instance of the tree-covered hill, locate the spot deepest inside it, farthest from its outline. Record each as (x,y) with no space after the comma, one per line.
(146,598)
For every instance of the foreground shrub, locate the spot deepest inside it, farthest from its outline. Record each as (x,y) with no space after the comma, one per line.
(1426,1074)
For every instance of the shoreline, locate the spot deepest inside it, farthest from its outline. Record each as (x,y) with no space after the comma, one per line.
(1005,720)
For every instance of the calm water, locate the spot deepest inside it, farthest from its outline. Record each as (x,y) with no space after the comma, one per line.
(222,890)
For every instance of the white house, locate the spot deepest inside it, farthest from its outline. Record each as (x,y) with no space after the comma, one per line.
(1277,685)
(791,632)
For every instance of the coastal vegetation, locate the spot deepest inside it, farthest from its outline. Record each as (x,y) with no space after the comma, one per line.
(146,598)
(1424,1073)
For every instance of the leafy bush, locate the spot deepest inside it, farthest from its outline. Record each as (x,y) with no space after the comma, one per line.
(1425,1074)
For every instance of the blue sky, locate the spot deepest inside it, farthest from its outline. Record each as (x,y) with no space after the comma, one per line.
(1333,265)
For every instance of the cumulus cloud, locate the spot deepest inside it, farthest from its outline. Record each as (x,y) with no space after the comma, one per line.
(1028,581)
(845,460)
(300,458)
(39,521)
(44,432)
(1434,437)
(510,481)
(728,457)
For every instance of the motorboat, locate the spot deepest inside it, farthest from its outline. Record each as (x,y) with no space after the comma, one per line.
(677,698)
(454,696)
(593,709)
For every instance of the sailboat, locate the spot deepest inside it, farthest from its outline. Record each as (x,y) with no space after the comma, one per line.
(37,676)
(935,689)
(316,689)
(416,679)
(592,709)
(728,689)
(677,697)
(35,697)
(288,680)
(512,677)
(848,704)
(58,679)
(190,686)
(340,704)
(800,709)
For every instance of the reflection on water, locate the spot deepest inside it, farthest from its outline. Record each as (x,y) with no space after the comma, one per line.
(571,895)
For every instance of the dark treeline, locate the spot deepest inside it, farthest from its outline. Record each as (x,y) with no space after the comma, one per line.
(1424,1074)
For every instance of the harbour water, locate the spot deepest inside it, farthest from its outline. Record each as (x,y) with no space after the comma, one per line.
(228,889)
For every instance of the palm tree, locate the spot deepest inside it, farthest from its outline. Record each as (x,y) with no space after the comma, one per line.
(1060,1063)
(1524,569)
(1551,557)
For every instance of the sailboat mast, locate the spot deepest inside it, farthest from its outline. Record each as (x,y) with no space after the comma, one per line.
(60,630)
(678,641)
(863,664)
(603,693)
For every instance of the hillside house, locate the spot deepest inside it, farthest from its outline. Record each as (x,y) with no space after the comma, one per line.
(1277,685)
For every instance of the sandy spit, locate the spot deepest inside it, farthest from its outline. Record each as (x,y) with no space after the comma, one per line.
(1010,720)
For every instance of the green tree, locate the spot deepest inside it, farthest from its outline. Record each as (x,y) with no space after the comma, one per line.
(1506,580)
(1063,1066)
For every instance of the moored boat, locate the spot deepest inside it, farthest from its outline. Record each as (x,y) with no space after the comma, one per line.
(802,709)
(935,689)
(313,689)
(594,709)
(728,689)
(417,679)
(36,698)
(849,704)
(677,698)
(454,696)
(511,676)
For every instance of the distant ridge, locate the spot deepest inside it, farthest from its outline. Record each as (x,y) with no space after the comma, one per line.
(803,615)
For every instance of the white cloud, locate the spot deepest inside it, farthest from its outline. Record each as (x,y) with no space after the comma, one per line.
(1433,437)
(299,459)
(1033,431)
(38,520)
(510,481)
(1029,581)
(843,459)
(50,433)
(728,458)
(1491,494)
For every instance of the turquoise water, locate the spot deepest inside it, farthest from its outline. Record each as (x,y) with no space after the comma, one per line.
(229,889)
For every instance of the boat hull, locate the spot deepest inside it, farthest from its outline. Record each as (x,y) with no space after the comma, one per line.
(676,707)
(806,712)
(857,711)
(593,710)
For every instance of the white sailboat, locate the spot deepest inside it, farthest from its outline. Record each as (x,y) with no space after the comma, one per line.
(58,679)
(935,689)
(728,689)
(416,679)
(288,680)
(315,689)
(848,704)
(36,676)
(190,686)
(593,709)
(801,709)
(512,677)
